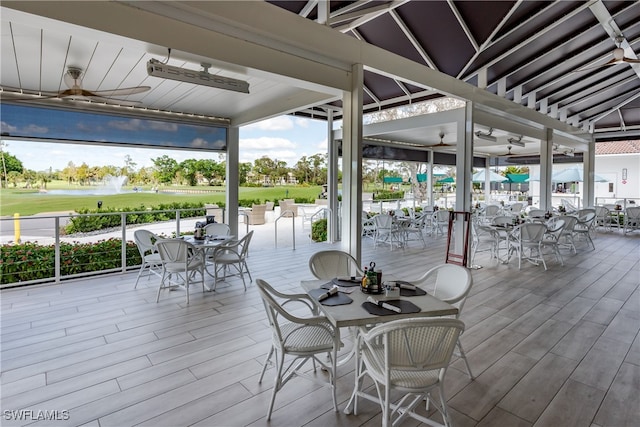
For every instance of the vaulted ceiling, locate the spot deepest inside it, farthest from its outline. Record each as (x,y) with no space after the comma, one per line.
(546,55)
(543,55)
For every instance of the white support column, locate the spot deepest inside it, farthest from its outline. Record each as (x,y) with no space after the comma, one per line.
(517,94)
(482,78)
(352,165)
(546,168)
(544,106)
(233,178)
(487,180)
(332,181)
(531,101)
(464,161)
(588,184)
(502,87)
(430,178)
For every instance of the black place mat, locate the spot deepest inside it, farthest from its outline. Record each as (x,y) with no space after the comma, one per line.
(346,283)
(405,306)
(410,292)
(341,283)
(336,299)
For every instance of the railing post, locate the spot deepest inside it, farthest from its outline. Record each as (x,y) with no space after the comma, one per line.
(177,222)
(57,273)
(123,224)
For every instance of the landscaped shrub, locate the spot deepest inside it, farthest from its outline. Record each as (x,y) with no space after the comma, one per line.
(32,261)
(319,230)
(388,195)
(83,224)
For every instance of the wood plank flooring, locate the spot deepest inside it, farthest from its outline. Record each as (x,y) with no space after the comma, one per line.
(548,348)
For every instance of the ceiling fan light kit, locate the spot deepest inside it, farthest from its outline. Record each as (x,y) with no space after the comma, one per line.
(159,69)
(516,141)
(486,136)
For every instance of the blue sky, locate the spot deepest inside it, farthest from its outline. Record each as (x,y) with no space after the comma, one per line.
(284,138)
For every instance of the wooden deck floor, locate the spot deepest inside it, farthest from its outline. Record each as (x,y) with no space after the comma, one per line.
(554,348)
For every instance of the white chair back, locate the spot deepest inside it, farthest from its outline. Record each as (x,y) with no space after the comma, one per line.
(217,229)
(144,240)
(333,263)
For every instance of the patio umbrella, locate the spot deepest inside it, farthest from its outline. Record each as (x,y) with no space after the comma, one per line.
(493,177)
(568,175)
(447,180)
(574,175)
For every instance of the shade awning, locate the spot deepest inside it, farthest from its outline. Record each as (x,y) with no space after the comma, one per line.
(518,178)
(493,177)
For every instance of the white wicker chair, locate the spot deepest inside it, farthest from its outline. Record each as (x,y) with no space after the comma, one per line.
(151,261)
(182,260)
(330,264)
(632,219)
(526,242)
(232,254)
(585,226)
(217,229)
(552,237)
(410,356)
(450,283)
(302,338)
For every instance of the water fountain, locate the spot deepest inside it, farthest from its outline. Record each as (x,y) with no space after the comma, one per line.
(113,184)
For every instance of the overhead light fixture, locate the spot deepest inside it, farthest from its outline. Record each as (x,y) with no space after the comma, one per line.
(516,141)
(487,136)
(156,68)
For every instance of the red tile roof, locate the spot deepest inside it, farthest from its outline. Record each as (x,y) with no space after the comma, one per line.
(618,147)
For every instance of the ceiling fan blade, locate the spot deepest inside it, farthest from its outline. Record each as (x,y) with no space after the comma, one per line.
(122,91)
(631,61)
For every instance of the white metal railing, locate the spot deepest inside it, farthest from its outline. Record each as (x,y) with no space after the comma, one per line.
(48,230)
(286,214)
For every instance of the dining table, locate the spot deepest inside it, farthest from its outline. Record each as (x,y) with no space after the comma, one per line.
(206,245)
(353,314)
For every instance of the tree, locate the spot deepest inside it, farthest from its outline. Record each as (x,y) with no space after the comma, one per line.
(319,168)
(165,169)
(10,163)
(265,166)
(189,171)
(243,169)
(129,166)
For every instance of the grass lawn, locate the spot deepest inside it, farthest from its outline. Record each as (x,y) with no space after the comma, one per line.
(30,202)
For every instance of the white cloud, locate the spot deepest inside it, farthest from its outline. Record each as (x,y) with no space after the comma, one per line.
(164,126)
(323,145)
(6,127)
(273,124)
(265,143)
(288,156)
(302,122)
(133,124)
(35,129)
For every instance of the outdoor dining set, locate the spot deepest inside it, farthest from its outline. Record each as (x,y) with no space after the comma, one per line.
(184,261)
(512,233)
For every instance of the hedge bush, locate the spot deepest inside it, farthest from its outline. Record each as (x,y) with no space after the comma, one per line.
(319,230)
(388,195)
(32,261)
(83,224)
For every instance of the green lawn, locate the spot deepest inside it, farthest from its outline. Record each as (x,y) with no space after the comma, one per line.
(30,202)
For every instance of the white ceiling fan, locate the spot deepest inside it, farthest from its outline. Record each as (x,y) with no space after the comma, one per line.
(73,79)
(618,57)
(441,143)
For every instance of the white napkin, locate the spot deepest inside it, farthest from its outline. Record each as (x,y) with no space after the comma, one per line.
(384,305)
(327,294)
(406,286)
